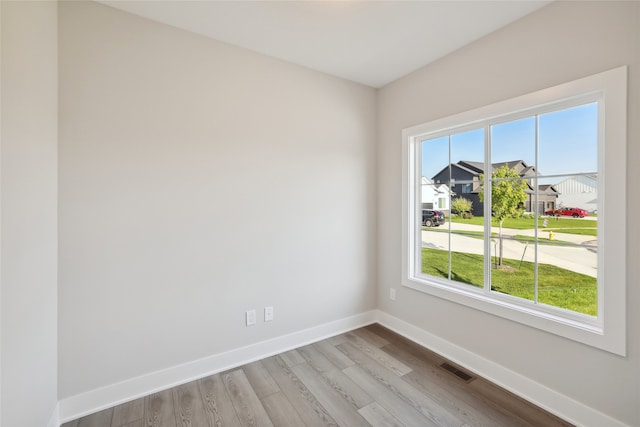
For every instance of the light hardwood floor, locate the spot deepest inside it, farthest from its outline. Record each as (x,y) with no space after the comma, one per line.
(367,377)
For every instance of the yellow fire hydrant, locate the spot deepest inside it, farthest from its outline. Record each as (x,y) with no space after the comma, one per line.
(551,235)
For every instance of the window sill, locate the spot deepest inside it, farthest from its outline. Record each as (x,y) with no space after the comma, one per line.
(574,326)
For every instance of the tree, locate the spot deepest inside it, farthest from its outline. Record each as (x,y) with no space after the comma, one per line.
(461,205)
(507,197)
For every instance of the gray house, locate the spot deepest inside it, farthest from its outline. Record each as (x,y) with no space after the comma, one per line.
(464,180)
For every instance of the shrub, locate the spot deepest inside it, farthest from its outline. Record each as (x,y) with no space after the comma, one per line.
(462,206)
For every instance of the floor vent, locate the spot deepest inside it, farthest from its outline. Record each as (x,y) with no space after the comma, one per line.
(457,372)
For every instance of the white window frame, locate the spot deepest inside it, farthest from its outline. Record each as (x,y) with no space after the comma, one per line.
(607,331)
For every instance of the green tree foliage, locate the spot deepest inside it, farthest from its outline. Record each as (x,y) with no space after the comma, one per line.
(508,193)
(460,204)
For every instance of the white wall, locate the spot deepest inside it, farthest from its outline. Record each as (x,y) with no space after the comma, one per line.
(164,243)
(559,43)
(578,191)
(29,204)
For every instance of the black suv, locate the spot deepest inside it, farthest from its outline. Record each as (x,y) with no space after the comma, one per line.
(431,218)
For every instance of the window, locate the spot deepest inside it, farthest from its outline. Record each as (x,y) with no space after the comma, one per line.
(560,270)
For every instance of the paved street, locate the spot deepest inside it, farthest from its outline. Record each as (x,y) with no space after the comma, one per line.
(580,259)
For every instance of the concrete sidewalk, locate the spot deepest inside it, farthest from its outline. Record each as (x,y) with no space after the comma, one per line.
(580,259)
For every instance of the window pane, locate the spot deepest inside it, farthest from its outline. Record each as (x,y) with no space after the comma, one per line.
(568,141)
(514,142)
(513,258)
(451,166)
(567,274)
(513,147)
(467,254)
(568,253)
(467,229)
(435,201)
(450,169)
(568,149)
(467,163)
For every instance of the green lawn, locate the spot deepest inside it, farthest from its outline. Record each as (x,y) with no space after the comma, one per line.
(556,286)
(559,225)
(541,240)
(581,231)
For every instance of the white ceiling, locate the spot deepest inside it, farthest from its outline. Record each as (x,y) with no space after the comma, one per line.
(371,42)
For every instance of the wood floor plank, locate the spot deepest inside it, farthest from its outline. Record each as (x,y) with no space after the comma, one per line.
(159,410)
(388,334)
(336,357)
(423,403)
(377,354)
(371,337)
(281,411)
(369,376)
(399,340)
(335,378)
(350,391)
(449,391)
(400,409)
(514,405)
(292,358)
(315,359)
(340,409)
(377,416)
(260,379)
(477,413)
(218,407)
(337,339)
(128,412)
(310,410)
(248,407)
(189,406)
(482,407)
(99,419)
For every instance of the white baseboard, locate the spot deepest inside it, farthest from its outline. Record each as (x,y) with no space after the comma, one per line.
(95,400)
(54,420)
(82,404)
(544,397)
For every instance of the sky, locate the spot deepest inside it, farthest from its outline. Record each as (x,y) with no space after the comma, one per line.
(567,144)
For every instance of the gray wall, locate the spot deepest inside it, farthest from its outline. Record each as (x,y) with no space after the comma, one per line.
(559,43)
(198,180)
(28,214)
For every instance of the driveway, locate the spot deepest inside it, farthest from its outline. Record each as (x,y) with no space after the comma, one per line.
(581,257)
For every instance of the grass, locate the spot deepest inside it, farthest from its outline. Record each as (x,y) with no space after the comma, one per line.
(542,240)
(556,286)
(581,231)
(559,225)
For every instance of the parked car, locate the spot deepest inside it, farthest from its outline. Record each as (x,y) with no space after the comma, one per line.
(431,218)
(574,212)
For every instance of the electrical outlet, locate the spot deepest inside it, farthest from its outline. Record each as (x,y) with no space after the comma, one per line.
(251,317)
(392,294)
(268,314)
